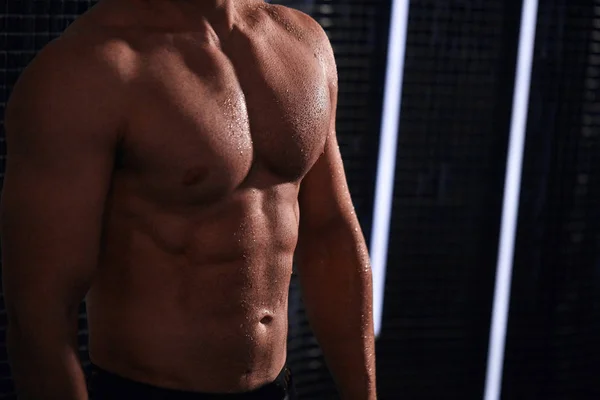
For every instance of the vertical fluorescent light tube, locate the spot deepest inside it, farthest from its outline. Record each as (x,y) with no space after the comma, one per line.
(384,187)
(510,208)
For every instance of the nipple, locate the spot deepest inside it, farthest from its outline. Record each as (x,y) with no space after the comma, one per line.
(194,176)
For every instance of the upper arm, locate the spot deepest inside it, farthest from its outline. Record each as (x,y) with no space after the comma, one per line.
(61,131)
(324,197)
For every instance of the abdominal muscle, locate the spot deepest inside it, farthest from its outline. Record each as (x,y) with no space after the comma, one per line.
(194,302)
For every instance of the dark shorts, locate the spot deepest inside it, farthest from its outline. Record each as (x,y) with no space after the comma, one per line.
(104,385)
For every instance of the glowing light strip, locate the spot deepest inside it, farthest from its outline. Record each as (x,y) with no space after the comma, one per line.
(384,186)
(512,189)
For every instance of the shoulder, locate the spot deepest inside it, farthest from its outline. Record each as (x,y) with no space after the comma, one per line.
(73,66)
(88,51)
(75,80)
(298,23)
(300,19)
(305,30)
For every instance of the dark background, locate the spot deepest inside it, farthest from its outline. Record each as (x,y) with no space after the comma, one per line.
(457,96)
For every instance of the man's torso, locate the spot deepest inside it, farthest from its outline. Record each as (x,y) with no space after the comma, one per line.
(201,222)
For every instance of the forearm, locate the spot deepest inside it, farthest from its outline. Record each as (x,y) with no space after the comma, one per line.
(337,291)
(45,362)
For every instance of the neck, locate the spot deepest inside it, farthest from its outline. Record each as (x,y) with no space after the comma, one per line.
(213,10)
(186,14)
(204,5)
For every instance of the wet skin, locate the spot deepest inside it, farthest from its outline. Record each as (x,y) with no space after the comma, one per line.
(202,218)
(185,204)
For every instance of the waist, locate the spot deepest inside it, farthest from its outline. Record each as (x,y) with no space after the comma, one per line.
(108,385)
(198,356)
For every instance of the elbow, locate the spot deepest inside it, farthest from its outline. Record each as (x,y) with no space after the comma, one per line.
(29,335)
(13,317)
(13,340)
(17,344)
(25,320)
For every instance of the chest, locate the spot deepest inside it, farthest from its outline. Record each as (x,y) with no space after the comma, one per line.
(203,125)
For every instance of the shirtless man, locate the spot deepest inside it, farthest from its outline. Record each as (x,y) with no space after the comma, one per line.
(166,161)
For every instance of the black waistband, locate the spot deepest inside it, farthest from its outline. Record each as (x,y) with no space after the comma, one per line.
(104,385)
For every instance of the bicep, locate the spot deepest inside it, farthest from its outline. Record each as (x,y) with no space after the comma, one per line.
(51,216)
(324,197)
(59,164)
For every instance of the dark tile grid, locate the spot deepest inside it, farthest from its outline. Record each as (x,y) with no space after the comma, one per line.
(552,348)
(447,199)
